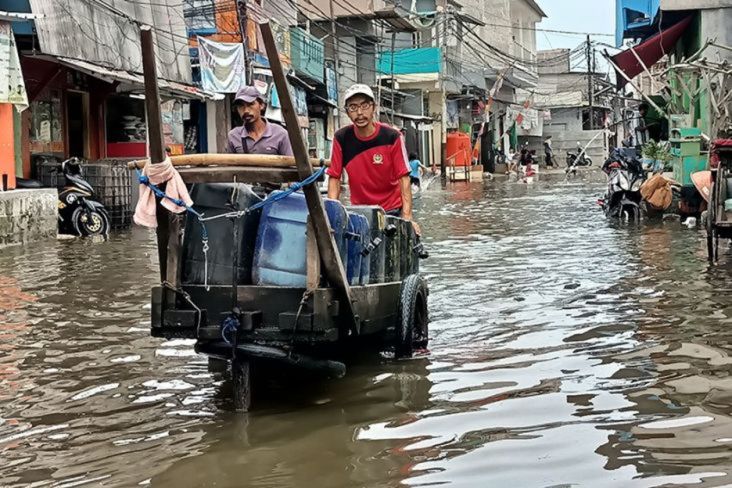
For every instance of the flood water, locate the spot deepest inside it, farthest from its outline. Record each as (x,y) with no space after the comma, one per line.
(565,351)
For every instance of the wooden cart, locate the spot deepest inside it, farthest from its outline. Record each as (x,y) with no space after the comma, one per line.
(258,327)
(718,220)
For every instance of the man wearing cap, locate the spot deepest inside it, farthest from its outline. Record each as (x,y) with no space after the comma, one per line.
(374,157)
(256,135)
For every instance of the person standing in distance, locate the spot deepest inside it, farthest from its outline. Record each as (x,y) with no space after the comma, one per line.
(374,157)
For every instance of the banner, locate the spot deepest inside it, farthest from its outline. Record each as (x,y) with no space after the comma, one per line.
(12,85)
(331,84)
(222,66)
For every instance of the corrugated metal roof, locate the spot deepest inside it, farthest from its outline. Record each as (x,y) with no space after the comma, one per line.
(106,32)
(110,75)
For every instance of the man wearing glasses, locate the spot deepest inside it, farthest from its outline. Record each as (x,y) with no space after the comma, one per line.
(374,157)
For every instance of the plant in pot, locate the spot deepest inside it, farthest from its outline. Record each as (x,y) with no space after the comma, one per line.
(650,150)
(663,157)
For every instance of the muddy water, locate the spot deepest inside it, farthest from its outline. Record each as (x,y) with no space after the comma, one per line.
(565,351)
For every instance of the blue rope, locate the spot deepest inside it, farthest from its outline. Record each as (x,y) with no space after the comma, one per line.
(272,198)
(144,180)
(275,197)
(230,324)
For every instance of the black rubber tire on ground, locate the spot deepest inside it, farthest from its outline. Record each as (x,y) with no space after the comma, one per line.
(91,222)
(589,161)
(241,379)
(412,328)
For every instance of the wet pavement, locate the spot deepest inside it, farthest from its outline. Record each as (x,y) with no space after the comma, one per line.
(565,351)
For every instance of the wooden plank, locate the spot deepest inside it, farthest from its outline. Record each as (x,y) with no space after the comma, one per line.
(333,267)
(238,174)
(259,160)
(313,258)
(169,228)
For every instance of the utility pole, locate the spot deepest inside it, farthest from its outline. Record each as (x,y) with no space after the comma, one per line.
(337,66)
(241,12)
(393,83)
(443,123)
(590,94)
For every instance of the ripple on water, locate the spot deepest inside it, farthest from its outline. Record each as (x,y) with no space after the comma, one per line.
(565,351)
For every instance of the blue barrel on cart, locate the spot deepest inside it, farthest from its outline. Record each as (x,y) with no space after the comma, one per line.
(280,253)
(376,257)
(359,235)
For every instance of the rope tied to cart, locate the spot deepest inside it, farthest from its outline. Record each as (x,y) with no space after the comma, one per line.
(202,219)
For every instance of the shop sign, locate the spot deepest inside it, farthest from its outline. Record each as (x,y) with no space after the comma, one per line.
(12,85)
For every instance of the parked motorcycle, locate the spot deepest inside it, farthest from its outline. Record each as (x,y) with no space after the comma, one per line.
(624,179)
(78,211)
(580,158)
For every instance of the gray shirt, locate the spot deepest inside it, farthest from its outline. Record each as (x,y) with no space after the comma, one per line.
(274,140)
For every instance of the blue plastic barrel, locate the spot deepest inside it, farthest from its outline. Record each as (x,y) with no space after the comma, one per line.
(357,268)
(280,254)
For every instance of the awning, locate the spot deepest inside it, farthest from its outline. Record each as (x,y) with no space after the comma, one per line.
(416,118)
(649,51)
(172,88)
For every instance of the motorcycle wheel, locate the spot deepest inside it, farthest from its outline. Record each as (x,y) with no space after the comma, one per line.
(589,161)
(630,214)
(89,223)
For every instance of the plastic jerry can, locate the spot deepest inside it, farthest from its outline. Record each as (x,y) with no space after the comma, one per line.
(393,249)
(359,236)
(280,255)
(213,199)
(409,262)
(377,245)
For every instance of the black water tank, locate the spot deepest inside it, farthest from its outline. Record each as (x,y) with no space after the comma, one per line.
(213,199)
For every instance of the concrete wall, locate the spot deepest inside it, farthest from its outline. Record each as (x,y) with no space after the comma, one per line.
(566,130)
(553,61)
(28,215)
(716,25)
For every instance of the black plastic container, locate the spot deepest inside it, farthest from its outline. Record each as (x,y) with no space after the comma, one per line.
(393,249)
(215,199)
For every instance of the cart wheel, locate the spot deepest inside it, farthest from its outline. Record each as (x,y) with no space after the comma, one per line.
(241,378)
(413,317)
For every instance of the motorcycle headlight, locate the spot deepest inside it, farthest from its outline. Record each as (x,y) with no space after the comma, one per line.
(636,185)
(623,182)
(70,198)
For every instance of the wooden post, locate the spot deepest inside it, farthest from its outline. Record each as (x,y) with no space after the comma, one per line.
(331,259)
(152,97)
(169,224)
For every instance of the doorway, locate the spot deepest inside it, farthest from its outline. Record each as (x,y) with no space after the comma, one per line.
(78,127)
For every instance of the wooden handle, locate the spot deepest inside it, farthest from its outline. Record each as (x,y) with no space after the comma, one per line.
(261,160)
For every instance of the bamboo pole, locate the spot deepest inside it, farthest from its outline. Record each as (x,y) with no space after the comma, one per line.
(258,160)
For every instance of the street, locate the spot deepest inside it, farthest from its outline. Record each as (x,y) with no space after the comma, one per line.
(564,350)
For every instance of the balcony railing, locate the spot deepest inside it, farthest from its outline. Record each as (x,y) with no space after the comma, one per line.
(307,54)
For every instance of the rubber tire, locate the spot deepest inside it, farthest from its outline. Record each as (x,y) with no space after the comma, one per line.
(81,229)
(589,161)
(241,378)
(413,314)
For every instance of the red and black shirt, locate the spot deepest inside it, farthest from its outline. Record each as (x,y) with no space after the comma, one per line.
(374,165)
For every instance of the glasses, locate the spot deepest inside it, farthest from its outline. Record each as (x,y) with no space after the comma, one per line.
(355,107)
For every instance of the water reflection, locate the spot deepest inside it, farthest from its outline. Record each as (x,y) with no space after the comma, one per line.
(565,351)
